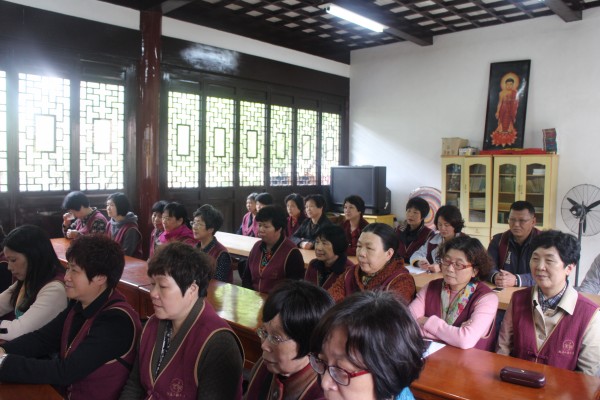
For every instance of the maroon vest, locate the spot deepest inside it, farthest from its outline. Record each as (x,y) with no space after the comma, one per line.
(216,251)
(87,227)
(178,378)
(561,348)
(107,381)
(433,306)
(251,230)
(312,274)
(291,229)
(121,234)
(275,269)
(405,252)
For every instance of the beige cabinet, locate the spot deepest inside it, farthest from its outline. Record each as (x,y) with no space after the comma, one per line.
(484,187)
(531,178)
(466,183)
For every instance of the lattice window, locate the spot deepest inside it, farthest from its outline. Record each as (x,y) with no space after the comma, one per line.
(44,133)
(3,145)
(183,140)
(281,146)
(306,145)
(330,145)
(102,136)
(252,143)
(220,125)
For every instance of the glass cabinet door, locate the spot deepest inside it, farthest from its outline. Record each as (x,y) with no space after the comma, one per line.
(478,199)
(453,183)
(534,188)
(506,193)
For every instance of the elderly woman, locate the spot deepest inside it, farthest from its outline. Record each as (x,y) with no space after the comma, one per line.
(185,345)
(289,315)
(122,226)
(449,223)
(331,261)
(359,353)
(294,203)
(413,233)
(207,221)
(38,293)
(354,208)
(459,308)
(377,268)
(249,226)
(177,225)
(314,206)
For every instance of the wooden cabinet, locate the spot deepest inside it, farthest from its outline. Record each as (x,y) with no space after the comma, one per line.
(484,187)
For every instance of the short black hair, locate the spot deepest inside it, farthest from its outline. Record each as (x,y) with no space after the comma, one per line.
(386,233)
(75,200)
(382,337)
(452,216)
(177,210)
(121,203)
(474,251)
(420,204)
(317,198)
(521,205)
(300,306)
(567,245)
(357,202)
(264,198)
(336,236)
(213,218)
(159,206)
(296,198)
(98,255)
(185,264)
(275,214)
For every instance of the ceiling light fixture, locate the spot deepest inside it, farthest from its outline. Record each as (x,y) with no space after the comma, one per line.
(353,17)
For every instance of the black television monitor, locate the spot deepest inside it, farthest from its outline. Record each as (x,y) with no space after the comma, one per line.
(366,181)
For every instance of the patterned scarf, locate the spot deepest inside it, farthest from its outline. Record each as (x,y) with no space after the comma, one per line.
(451,311)
(264,260)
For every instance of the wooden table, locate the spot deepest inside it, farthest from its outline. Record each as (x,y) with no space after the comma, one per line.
(452,373)
(20,391)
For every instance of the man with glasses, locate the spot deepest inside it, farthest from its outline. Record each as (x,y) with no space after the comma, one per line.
(510,251)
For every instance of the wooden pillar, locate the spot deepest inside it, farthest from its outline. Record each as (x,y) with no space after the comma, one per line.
(147,171)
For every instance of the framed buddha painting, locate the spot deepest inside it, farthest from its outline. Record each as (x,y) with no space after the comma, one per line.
(506,105)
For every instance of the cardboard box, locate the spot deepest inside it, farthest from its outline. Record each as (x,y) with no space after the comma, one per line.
(450,146)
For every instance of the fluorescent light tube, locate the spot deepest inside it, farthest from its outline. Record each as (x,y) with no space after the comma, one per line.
(354,18)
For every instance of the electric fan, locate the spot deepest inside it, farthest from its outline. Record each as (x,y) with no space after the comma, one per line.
(581,213)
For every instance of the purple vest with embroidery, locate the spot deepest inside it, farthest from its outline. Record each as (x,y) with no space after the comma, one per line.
(312,274)
(561,348)
(121,235)
(433,306)
(177,379)
(275,269)
(405,252)
(86,228)
(251,230)
(216,251)
(107,381)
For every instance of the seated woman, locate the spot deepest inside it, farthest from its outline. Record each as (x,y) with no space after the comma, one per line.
(123,226)
(289,315)
(177,225)
(294,203)
(80,218)
(449,223)
(38,294)
(207,221)
(331,261)
(459,308)
(249,226)
(263,199)
(354,208)
(359,353)
(157,212)
(314,206)
(377,268)
(185,342)
(413,233)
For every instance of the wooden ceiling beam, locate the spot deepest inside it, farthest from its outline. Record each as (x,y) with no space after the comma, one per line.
(561,9)
(166,6)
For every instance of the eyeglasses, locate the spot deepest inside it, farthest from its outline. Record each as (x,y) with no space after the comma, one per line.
(273,339)
(339,375)
(514,221)
(197,224)
(457,265)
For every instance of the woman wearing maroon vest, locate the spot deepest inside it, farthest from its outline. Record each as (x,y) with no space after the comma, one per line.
(249,226)
(177,225)
(294,203)
(123,225)
(96,335)
(290,314)
(207,221)
(460,308)
(157,212)
(331,261)
(377,268)
(88,220)
(354,208)
(186,350)
(413,233)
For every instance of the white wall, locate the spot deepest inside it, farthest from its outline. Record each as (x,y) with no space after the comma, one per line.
(404,98)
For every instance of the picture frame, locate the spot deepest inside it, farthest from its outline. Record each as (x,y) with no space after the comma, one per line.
(506,105)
